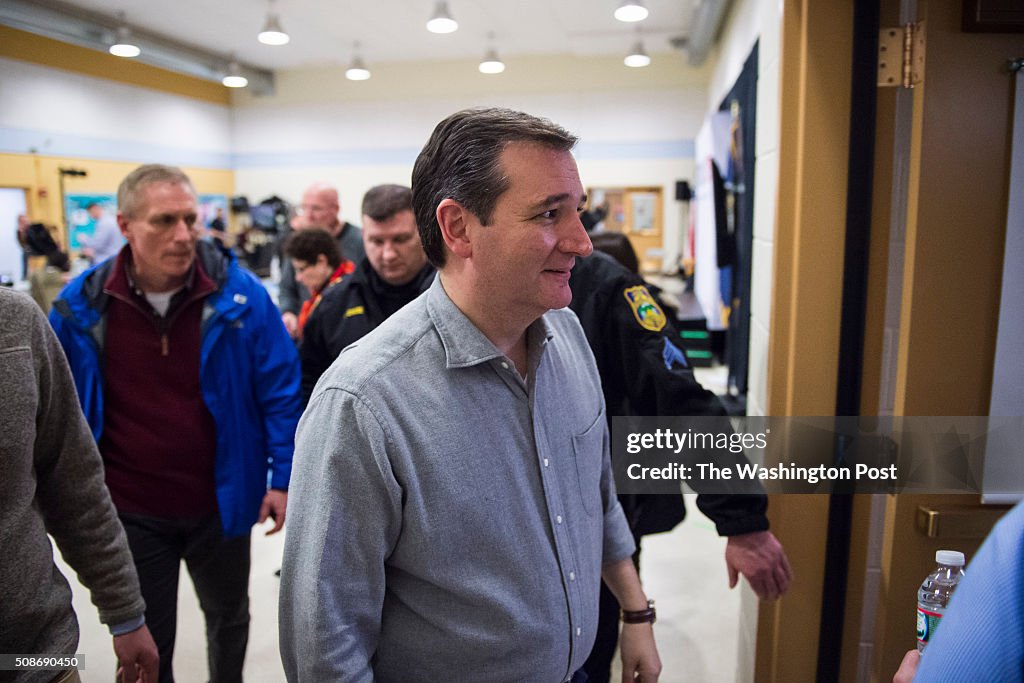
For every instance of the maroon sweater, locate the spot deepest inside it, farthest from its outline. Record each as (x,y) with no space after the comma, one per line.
(159,440)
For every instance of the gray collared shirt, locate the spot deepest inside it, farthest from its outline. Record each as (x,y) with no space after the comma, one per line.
(447,520)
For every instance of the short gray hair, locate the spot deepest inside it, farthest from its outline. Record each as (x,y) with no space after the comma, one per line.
(130,190)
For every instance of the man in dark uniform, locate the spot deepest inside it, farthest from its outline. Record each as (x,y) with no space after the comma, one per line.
(644,372)
(393,273)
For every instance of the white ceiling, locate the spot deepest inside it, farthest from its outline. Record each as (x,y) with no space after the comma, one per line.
(323,31)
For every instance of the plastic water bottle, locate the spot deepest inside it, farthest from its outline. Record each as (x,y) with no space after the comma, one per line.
(934,594)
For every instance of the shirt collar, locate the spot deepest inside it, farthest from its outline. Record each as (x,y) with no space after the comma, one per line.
(197,283)
(464,343)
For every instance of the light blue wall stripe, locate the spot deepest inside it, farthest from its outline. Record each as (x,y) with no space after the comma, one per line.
(612,151)
(329,157)
(593,151)
(21,141)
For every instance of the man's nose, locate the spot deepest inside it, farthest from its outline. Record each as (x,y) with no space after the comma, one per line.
(576,240)
(183,231)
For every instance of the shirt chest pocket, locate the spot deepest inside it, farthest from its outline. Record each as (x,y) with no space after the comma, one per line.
(588,453)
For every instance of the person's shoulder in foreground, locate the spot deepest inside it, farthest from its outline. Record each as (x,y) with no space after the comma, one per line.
(981,636)
(51,482)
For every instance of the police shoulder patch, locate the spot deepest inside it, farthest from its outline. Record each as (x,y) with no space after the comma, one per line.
(645,308)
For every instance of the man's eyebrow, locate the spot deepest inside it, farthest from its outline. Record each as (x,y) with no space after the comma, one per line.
(555,199)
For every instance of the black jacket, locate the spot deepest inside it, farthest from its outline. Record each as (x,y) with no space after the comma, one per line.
(637,380)
(348,311)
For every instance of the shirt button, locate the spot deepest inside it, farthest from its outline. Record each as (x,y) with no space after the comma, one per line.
(545,462)
(572,576)
(504,365)
(558,519)
(579,631)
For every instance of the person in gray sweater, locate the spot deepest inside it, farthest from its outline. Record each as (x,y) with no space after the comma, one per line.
(51,482)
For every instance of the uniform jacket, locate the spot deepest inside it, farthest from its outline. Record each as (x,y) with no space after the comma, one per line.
(644,372)
(249,377)
(347,312)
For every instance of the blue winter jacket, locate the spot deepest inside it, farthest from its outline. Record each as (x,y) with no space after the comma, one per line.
(249,376)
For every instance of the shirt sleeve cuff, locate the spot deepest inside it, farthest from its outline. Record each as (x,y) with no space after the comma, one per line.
(127,626)
(618,539)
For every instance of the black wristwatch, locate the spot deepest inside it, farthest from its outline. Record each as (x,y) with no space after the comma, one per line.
(643,616)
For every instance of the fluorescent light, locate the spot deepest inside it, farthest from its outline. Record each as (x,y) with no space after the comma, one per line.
(272,33)
(234,78)
(637,57)
(442,21)
(124,46)
(631,10)
(491,64)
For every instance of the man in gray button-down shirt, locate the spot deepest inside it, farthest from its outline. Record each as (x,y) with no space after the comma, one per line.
(452,509)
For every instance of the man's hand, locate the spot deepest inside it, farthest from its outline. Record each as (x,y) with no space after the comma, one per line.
(760,557)
(291,323)
(908,667)
(137,657)
(274,505)
(640,661)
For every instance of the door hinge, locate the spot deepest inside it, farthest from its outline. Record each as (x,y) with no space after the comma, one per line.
(901,56)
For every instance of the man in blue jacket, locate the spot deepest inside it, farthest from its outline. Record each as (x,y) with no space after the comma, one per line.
(190,385)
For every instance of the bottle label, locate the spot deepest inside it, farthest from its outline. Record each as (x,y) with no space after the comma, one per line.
(927,622)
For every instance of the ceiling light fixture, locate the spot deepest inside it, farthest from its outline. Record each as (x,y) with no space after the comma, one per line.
(637,57)
(234,78)
(491,63)
(357,70)
(442,21)
(631,10)
(124,46)
(272,33)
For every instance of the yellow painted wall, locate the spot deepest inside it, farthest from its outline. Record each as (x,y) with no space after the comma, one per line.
(29,47)
(39,176)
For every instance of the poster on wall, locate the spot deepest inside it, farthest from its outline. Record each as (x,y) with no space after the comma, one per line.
(208,206)
(82,224)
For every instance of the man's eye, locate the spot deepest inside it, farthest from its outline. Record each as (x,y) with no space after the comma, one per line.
(549,215)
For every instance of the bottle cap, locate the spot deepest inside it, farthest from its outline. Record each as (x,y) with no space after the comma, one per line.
(950,558)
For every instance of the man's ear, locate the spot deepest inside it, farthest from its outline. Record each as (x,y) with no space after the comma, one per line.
(122,223)
(453,219)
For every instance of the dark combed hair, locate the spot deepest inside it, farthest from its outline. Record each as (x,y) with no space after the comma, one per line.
(461,161)
(383,202)
(307,245)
